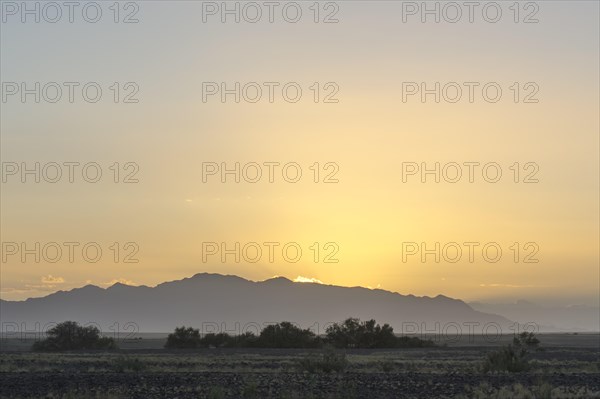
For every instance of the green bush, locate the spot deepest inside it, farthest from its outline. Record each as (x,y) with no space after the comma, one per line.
(352,333)
(328,361)
(69,335)
(224,340)
(514,357)
(505,359)
(183,338)
(287,335)
(216,340)
(280,335)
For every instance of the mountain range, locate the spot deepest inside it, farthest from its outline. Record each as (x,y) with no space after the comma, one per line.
(215,302)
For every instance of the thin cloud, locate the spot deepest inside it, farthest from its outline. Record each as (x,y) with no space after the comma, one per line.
(508,286)
(10,290)
(50,279)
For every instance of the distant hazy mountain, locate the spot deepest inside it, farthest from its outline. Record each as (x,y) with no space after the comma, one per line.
(218,302)
(549,318)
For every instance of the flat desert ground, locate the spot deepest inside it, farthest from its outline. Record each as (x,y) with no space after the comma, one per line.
(567,367)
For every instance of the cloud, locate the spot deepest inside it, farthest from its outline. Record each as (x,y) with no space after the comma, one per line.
(301,279)
(507,286)
(11,290)
(48,284)
(50,279)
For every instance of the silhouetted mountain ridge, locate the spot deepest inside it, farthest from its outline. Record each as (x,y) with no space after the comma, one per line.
(547,317)
(231,302)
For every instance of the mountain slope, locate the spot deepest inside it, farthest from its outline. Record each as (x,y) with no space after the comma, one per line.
(214,302)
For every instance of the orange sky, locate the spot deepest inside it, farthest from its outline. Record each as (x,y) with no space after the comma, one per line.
(364,141)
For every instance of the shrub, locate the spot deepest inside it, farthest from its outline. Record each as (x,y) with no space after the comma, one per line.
(513,357)
(505,359)
(183,338)
(246,340)
(286,335)
(352,333)
(327,361)
(216,340)
(69,335)
(224,340)
(281,335)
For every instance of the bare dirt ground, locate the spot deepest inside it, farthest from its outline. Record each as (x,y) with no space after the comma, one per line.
(568,367)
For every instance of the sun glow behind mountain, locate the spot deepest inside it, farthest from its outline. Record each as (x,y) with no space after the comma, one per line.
(302,279)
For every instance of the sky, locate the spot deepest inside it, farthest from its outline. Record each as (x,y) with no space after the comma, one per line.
(369,216)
